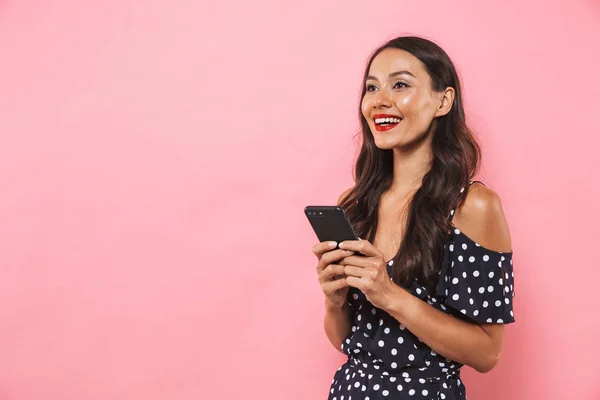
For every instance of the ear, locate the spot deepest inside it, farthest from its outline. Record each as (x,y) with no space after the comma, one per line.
(446,101)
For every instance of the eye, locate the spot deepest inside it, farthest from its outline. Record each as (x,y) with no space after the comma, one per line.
(370,88)
(400,85)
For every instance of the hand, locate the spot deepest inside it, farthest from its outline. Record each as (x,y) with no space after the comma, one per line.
(368,272)
(331,276)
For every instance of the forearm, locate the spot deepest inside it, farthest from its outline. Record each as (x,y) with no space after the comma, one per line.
(337,324)
(458,340)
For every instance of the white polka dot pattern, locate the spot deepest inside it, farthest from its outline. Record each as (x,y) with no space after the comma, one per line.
(387,361)
(491,298)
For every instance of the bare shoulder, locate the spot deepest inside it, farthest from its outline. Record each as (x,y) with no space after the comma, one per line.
(481,218)
(344,195)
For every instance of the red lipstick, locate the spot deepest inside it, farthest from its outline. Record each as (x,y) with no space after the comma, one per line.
(390,123)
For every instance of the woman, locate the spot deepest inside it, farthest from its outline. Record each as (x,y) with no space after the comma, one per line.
(432,287)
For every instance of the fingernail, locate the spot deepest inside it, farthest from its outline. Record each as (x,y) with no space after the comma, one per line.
(332,244)
(341,244)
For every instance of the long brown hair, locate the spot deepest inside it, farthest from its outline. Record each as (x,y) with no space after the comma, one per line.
(456,158)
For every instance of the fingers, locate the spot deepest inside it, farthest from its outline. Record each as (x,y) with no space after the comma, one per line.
(331,271)
(331,287)
(323,247)
(331,257)
(358,272)
(356,283)
(360,246)
(334,256)
(361,261)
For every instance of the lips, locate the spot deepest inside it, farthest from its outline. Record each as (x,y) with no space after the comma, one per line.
(385,122)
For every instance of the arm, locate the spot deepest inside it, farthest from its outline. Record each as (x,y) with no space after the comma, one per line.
(337,325)
(337,319)
(468,343)
(476,345)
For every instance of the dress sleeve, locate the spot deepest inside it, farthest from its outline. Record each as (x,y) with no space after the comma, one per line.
(477,282)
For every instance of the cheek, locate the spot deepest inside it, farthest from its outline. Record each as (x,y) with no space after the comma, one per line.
(410,101)
(417,111)
(414,106)
(365,107)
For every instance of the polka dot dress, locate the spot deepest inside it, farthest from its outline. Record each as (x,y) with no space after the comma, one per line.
(386,361)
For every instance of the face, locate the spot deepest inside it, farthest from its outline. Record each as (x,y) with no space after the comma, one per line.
(400,104)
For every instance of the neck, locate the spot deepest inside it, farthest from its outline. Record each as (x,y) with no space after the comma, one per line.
(410,166)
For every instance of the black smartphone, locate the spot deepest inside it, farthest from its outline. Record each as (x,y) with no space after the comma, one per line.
(330,223)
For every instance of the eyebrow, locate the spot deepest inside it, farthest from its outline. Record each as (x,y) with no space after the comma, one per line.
(393,74)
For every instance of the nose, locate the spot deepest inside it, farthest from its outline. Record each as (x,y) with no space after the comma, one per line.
(382,100)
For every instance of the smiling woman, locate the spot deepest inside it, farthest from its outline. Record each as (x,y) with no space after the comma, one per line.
(431,287)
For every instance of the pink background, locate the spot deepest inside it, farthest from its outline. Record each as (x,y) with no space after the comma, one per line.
(155,158)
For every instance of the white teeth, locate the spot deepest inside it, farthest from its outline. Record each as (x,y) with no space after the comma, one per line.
(387,120)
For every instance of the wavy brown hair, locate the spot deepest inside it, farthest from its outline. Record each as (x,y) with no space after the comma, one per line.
(456,159)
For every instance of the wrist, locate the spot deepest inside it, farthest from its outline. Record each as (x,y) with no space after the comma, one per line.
(335,308)
(395,300)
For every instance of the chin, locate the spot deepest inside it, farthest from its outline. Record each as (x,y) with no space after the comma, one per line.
(399,140)
(384,143)
(384,146)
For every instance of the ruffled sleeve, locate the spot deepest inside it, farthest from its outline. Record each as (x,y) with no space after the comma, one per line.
(477,282)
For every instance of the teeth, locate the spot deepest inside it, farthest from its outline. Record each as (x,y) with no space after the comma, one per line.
(387,120)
